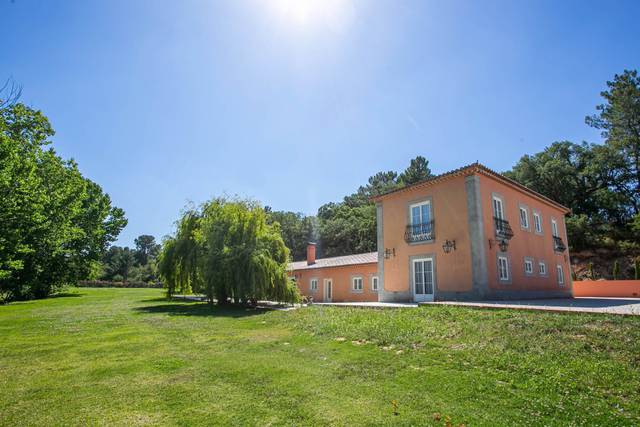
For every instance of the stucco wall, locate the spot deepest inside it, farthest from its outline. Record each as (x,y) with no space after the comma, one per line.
(607,288)
(341,276)
(449,209)
(525,243)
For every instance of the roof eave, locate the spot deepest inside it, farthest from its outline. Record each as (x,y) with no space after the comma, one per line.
(470,170)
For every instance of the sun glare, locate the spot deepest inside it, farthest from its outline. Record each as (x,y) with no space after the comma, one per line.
(333,14)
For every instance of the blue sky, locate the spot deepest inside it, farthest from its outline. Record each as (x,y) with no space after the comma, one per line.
(296,104)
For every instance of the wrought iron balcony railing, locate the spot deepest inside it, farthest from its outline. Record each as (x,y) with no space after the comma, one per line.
(503,228)
(419,232)
(558,244)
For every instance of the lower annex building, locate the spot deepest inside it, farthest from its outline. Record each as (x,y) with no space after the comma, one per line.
(468,234)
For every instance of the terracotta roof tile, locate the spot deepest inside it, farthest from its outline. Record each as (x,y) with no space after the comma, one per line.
(339,261)
(474,168)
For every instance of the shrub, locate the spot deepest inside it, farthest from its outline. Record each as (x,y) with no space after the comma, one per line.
(616,270)
(118,284)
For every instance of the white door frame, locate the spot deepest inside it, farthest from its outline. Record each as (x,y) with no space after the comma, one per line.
(423,297)
(328,290)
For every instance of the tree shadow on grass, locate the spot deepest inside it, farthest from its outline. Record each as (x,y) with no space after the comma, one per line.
(158,299)
(66,295)
(194,308)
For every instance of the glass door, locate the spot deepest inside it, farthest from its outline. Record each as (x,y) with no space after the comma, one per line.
(423,279)
(328,290)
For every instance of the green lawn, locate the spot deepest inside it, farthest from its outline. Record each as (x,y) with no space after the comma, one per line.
(129,357)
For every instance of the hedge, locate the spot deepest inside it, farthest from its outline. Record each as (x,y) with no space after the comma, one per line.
(110,284)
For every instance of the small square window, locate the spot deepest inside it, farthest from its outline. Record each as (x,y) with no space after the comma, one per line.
(357,283)
(528,266)
(542,268)
(313,285)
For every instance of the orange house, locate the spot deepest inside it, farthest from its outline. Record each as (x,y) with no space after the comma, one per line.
(344,278)
(468,234)
(471,234)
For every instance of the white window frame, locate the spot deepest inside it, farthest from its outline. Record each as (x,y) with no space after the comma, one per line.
(419,297)
(528,262)
(420,204)
(554,228)
(498,199)
(542,268)
(507,275)
(537,222)
(560,274)
(375,280)
(524,224)
(313,284)
(354,280)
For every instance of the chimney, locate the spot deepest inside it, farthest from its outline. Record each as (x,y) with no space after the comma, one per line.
(311,253)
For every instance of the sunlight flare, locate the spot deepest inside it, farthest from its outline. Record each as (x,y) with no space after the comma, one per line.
(334,14)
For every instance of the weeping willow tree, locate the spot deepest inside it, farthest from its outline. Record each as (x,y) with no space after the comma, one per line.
(228,251)
(179,259)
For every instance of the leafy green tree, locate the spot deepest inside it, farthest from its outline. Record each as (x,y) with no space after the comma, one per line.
(118,262)
(54,223)
(619,120)
(146,248)
(297,230)
(347,230)
(380,183)
(147,273)
(417,171)
(179,263)
(168,266)
(600,182)
(578,176)
(136,265)
(124,262)
(228,250)
(349,226)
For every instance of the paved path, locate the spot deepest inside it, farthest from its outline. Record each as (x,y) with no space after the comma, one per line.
(628,306)
(270,305)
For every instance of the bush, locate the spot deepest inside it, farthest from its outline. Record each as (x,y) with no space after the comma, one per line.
(592,275)
(114,284)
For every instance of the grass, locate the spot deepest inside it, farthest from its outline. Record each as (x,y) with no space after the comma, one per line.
(130,357)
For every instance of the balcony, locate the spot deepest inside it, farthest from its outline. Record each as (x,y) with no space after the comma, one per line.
(419,232)
(558,244)
(503,228)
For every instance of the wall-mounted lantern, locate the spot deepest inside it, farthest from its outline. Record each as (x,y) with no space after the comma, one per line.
(448,246)
(502,244)
(388,253)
